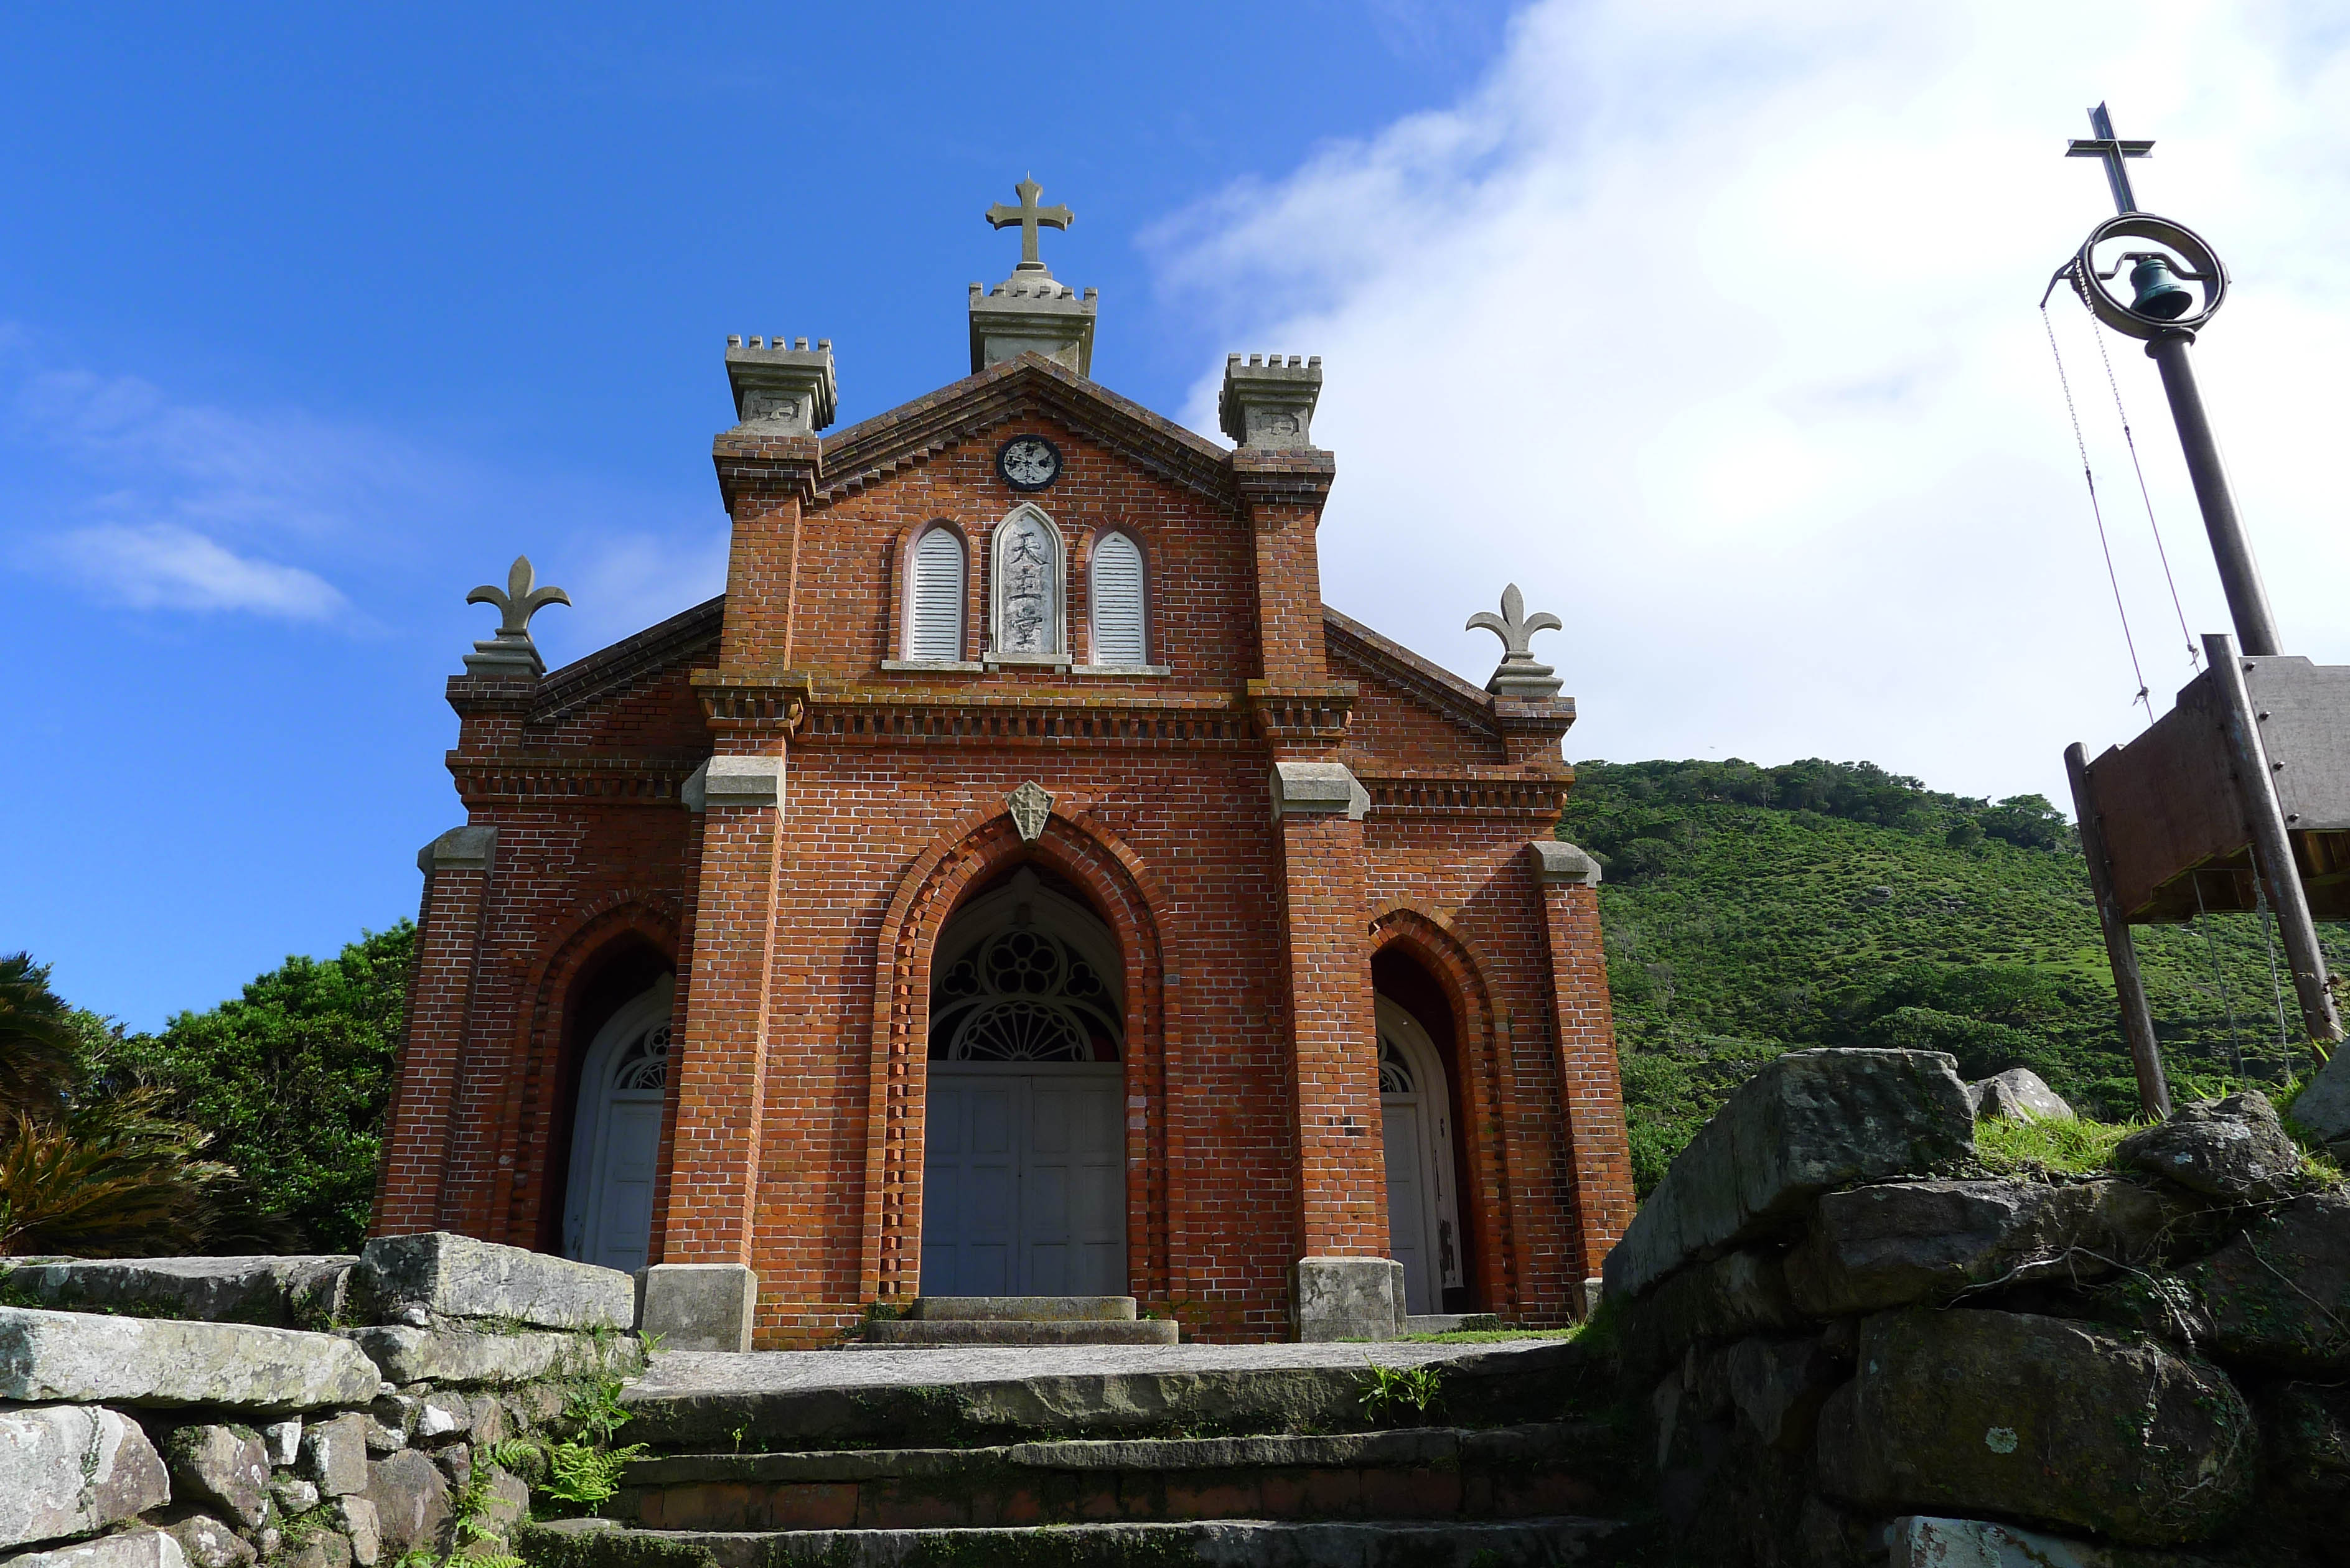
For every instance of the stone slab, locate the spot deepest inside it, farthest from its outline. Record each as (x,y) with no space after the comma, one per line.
(1807,1123)
(445,1275)
(130,1549)
(44,1491)
(1920,1542)
(1731,1296)
(919,1398)
(89,1357)
(1452,1323)
(941,1332)
(1219,1543)
(2279,1294)
(1025,1309)
(208,1542)
(290,1292)
(699,1306)
(2039,1420)
(223,1465)
(472,1355)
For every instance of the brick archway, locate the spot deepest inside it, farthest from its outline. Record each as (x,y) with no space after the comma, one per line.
(1088,855)
(1487,1100)
(532,1121)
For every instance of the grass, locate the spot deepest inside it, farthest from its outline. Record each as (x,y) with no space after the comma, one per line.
(2013,1145)
(1491,1336)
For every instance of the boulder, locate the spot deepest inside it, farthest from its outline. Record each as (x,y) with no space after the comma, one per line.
(228,1466)
(87,1358)
(325,1549)
(357,1516)
(293,1291)
(2019,1094)
(67,1470)
(442,1415)
(293,1495)
(1919,1542)
(131,1549)
(2040,1419)
(486,1419)
(2279,1293)
(1777,1386)
(206,1543)
(284,1441)
(1809,1122)
(1737,1295)
(1872,1247)
(335,1454)
(443,1275)
(411,1499)
(2235,1147)
(456,1462)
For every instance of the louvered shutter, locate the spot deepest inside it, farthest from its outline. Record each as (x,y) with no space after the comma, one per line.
(1118,632)
(937,618)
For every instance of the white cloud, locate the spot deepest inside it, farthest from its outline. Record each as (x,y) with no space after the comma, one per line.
(164,565)
(1714,330)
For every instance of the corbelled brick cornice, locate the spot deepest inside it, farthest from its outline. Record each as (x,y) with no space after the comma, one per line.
(771,467)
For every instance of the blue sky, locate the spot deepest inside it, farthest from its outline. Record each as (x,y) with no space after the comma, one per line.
(1710,323)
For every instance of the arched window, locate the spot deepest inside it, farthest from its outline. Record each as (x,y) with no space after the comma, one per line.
(1121,635)
(1026,562)
(934,598)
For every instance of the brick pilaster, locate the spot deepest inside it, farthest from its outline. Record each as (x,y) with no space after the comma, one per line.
(1592,1092)
(1333,1025)
(1282,493)
(713,1179)
(410,1194)
(766,481)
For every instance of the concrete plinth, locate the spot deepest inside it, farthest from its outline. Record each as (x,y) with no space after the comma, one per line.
(1347,1298)
(699,1306)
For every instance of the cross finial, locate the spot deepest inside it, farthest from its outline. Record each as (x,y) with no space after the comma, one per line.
(1030,217)
(2114,151)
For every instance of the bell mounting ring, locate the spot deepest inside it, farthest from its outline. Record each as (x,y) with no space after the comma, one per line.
(2201,266)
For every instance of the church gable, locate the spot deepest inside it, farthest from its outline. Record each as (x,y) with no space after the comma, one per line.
(1408,706)
(637,691)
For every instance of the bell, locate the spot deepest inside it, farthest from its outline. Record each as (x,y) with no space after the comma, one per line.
(2159,295)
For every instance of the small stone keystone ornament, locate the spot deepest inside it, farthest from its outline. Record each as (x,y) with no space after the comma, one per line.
(1519,674)
(1030,805)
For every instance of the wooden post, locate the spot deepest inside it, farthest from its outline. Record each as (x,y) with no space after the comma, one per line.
(2272,844)
(2129,989)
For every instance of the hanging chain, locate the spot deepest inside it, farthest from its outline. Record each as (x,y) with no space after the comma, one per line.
(2096,511)
(2194,654)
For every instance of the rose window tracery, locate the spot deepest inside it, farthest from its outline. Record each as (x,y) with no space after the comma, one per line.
(1022,995)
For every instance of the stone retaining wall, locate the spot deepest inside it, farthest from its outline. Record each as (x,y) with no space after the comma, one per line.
(1856,1348)
(315,1412)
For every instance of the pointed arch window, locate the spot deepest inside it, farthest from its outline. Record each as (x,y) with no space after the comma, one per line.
(1027,570)
(1121,632)
(934,598)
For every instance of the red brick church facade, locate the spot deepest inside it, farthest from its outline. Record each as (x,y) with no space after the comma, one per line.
(1017,866)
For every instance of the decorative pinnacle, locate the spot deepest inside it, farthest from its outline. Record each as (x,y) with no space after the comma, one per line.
(519,600)
(1030,217)
(1519,676)
(1514,627)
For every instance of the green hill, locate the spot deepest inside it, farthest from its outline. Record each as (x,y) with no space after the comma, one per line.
(1749,910)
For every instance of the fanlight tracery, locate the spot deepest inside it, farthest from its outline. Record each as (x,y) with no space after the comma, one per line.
(644,1062)
(1022,995)
(1395,1070)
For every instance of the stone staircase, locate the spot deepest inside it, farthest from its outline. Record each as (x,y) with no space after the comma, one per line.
(968,1320)
(1109,1457)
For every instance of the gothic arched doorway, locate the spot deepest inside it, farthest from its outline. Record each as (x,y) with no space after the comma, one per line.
(1023,1165)
(608,1211)
(1416,1119)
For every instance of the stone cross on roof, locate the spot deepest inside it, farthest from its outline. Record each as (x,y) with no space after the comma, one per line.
(1031,218)
(2112,149)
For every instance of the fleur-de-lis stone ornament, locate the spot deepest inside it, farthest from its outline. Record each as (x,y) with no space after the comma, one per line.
(1519,674)
(511,653)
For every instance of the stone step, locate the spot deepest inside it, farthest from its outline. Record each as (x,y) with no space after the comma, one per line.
(901,1333)
(1025,1309)
(1428,1472)
(889,1397)
(1553,1543)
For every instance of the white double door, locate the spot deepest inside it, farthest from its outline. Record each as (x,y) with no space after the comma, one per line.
(1024,1180)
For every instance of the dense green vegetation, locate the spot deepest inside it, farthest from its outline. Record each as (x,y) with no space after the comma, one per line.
(253,1125)
(1749,910)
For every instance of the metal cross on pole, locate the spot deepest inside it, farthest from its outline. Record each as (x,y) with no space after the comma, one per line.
(1030,217)
(2112,149)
